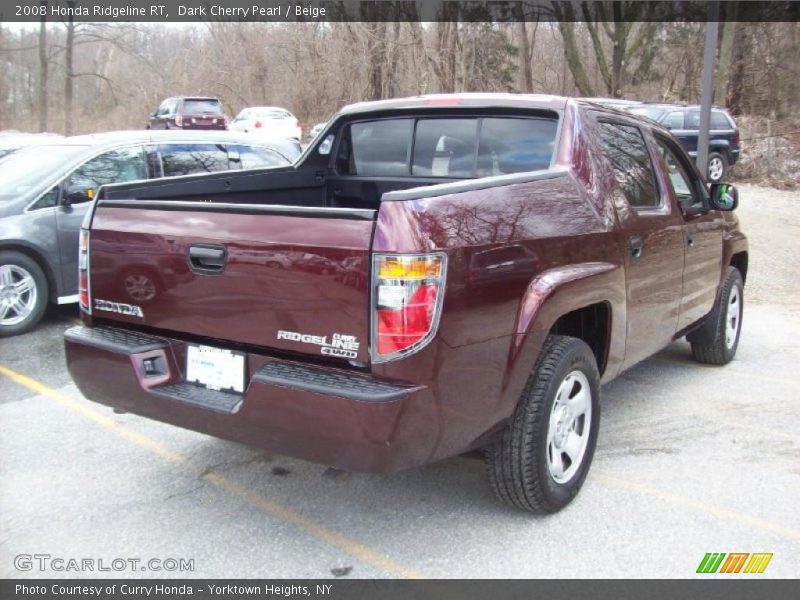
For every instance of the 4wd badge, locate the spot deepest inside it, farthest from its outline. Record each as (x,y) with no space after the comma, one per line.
(344,346)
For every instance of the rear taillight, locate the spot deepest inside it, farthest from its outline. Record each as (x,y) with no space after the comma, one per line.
(258,124)
(179,121)
(736,138)
(83,272)
(406,302)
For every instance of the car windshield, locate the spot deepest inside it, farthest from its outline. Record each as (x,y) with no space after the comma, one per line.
(26,170)
(196,106)
(651,112)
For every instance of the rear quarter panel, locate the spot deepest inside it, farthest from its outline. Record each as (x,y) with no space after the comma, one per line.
(490,334)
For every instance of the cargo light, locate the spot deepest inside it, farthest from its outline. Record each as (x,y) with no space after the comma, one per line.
(83,272)
(408,290)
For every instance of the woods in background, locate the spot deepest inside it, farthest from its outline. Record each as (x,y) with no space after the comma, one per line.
(69,77)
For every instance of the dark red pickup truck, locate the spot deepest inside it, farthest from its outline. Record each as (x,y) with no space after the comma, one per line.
(435,275)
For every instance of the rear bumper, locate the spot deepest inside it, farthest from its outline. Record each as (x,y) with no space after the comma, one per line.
(331,416)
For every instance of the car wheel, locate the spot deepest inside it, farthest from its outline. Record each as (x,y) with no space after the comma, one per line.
(717,166)
(23,293)
(716,341)
(542,458)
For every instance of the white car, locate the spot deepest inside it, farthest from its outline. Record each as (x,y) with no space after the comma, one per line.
(273,121)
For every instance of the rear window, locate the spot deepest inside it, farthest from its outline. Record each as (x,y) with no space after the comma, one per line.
(199,106)
(455,148)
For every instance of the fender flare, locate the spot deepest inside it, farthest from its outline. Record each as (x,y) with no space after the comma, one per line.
(552,294)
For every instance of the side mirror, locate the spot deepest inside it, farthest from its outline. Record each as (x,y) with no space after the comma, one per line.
(77,193)
(724,196)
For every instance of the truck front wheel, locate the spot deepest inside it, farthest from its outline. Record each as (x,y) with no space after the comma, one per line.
(542,458)
(716,341)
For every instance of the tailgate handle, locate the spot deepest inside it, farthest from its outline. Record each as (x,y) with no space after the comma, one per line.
(207,259)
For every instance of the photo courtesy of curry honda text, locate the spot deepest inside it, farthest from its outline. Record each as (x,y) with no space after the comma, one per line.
(434,275)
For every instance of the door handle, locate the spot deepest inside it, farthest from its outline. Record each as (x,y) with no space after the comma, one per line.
(636,244)
(207,259)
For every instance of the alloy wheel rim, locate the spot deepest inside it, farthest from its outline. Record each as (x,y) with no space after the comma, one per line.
(715,168)
(569,427)
(18,294)
(733,317)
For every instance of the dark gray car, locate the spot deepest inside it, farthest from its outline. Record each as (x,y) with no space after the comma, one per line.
(46,190)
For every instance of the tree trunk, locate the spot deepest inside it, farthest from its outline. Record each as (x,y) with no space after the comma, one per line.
(525,56)
(69,75)
(43,70)
(733,97)
(725,54)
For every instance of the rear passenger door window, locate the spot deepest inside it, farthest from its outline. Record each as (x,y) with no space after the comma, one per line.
(253,157)
(189,159)
(626,149)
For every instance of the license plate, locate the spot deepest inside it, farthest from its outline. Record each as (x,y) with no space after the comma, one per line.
(215,368)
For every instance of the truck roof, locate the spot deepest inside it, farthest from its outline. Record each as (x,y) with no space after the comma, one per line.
(469,100)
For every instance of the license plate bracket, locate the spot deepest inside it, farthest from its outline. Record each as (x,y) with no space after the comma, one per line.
(216,368)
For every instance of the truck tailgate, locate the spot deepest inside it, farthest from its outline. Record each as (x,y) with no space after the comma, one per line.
(288,278)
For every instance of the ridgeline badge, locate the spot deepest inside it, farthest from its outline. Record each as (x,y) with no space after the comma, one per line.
(344,346)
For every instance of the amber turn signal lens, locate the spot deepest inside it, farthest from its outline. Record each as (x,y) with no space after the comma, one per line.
(402,267)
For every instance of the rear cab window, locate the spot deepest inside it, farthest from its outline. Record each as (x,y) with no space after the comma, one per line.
(447,147)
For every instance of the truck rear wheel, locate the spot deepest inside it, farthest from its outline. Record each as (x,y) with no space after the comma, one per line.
(542,458)
(716,341)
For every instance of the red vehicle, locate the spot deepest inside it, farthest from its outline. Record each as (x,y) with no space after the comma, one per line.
(518,252)
(182,112)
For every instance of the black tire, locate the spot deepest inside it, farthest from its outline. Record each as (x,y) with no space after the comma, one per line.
(517,463)
(722,160)
(9,257)
(711,344)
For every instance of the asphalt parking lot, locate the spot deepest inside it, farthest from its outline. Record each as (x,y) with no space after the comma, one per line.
(691,459)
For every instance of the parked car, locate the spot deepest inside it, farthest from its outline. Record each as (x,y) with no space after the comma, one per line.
(317,129)
(268,120)
(45,193)
(182,112)
(612,244)
(684,122)
(12,141)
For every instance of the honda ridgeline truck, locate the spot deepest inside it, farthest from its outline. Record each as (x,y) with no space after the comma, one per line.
(434,275)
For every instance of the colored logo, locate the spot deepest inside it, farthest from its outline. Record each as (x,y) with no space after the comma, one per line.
(735,562)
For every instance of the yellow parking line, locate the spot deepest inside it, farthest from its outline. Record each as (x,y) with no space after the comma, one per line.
(697,505)
(356,549)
